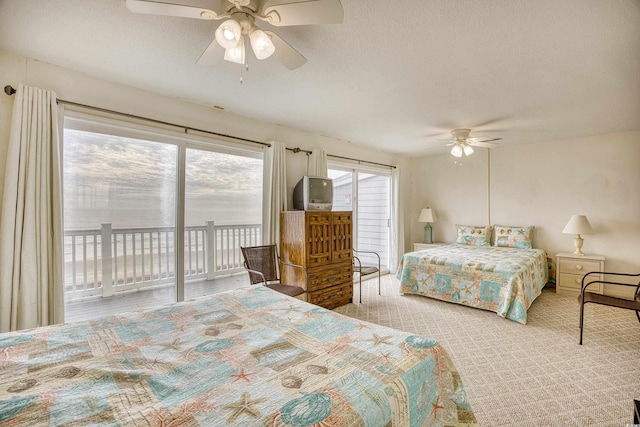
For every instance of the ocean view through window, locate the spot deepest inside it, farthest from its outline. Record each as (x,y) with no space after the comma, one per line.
(123,210)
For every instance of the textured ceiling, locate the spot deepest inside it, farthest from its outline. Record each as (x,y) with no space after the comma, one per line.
(396,75)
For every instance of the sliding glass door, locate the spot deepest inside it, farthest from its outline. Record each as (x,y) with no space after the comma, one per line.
(152,217)
(367,193)
(223,211)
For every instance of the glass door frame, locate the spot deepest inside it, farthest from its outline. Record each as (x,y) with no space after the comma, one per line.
(110,124)
(355,171)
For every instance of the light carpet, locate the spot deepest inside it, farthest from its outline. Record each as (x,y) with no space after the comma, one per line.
(525,375)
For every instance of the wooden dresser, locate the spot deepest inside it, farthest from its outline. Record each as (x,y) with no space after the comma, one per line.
(320,241)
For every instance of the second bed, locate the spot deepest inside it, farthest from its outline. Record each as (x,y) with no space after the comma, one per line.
(498,279)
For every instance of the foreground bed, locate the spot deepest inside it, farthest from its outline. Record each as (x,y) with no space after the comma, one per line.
(238,358)
(502,280)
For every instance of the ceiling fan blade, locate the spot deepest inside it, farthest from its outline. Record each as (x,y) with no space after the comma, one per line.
(171,9)
(212,55)
(481,138)
(286,12)
(285,53)
(485,143)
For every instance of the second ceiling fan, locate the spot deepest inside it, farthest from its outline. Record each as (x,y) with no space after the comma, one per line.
(462,143)
(239,29)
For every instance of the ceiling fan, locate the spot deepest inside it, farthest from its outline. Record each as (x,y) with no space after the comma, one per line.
(463,144)
(239,29)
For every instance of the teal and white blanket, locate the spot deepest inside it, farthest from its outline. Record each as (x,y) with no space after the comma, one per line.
(502,280)
(249,357)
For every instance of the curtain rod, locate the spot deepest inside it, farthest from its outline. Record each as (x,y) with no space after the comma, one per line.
(300,150)
(361,161)
(10,90)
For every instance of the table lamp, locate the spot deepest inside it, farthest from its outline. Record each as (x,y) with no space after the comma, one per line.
(427,215)
(578,224)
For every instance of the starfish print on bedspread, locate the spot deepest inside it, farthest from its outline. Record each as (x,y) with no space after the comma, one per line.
(244,405)
(363,326)
(242,375)
(436,407)
(175,345)
(377,339)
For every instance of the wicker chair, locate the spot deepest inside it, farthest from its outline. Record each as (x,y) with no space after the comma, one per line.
(263,265)
(587,297)
(365,270)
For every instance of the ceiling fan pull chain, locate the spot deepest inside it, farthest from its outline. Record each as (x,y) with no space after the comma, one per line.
(246,58)
(245,66)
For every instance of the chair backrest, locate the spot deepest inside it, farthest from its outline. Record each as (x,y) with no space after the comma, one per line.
(263,259)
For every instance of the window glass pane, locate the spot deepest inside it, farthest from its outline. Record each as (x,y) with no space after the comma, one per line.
(342,189)
(121,213)
(120,218)
(373,217)
(371,208)
(223,211)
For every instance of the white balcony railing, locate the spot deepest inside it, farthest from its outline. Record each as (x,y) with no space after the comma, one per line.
(135,258)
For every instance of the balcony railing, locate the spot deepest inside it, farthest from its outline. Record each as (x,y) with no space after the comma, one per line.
(109,260)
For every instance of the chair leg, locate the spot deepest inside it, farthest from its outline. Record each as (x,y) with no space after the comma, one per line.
(360,287)
(581,320)
(379,282)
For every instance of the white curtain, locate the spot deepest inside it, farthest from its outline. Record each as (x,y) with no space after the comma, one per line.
(274,191)
(397,221)
(317,164)
(31,232)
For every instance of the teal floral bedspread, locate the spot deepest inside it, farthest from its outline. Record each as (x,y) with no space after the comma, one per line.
(502,280)
(249,357)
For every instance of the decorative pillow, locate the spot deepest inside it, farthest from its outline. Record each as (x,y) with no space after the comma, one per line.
(472,235)
(508,236)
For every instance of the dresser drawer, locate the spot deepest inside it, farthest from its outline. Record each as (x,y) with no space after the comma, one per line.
(332,297)
(571,280)
(326,277)
(574,266)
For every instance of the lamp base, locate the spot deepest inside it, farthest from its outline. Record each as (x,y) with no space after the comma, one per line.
(427,234)
(577,242)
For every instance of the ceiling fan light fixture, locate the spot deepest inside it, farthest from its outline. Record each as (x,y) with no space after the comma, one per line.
(228,34)
(456,150)
(261,44)
(208,14)
(467,150)
(236,54)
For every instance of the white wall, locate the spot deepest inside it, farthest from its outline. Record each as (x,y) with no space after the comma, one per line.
(540,184)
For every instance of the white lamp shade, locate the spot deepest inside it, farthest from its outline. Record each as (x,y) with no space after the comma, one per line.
(228,34)
(261,44)
(456,151)
(427,215)
(578,224)
(236,54)
(467,150)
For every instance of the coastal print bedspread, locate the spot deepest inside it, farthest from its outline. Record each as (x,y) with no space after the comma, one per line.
(502,280)
(249,357)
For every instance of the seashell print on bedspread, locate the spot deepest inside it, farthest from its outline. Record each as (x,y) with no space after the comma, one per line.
(502,280)
(249,357)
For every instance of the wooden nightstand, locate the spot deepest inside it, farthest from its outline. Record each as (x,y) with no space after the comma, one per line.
(571,268)
(423,246)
